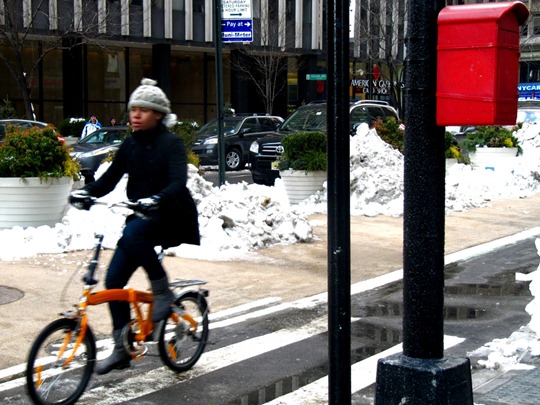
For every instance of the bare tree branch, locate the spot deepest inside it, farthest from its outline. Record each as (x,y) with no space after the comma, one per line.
(265,65)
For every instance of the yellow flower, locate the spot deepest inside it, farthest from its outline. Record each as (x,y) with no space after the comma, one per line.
(454,150)
(508,143)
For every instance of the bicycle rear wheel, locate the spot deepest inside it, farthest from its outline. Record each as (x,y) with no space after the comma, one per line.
(57,372)
(183,336)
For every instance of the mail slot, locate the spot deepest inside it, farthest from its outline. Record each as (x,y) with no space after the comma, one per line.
(478,63)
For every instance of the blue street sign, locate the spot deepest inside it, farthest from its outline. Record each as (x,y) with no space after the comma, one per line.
(237,30)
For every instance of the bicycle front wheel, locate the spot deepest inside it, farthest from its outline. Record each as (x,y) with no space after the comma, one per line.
(183,336)
(59,367)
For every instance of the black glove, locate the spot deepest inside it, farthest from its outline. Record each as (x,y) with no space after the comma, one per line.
(147,205)
(81,199)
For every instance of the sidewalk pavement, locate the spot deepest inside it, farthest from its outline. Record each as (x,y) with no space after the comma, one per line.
(48,284)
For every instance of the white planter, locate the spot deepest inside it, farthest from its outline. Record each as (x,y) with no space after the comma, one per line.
(300,184)
(450,162)
(33,202)
(496,159)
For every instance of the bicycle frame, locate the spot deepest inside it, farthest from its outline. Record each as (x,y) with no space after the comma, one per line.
(135,297)
(62,358)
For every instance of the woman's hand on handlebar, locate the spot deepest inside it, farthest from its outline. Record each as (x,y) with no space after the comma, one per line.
(81,199)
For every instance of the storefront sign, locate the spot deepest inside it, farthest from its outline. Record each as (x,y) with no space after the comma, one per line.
(378,86)
(529,90)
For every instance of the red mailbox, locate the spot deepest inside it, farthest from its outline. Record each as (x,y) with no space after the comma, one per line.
(478,63)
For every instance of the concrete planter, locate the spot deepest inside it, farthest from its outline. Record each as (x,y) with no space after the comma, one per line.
(450,162)
(33,202)
(496,159)
(300,184)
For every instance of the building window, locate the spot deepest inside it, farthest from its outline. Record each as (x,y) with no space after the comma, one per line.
(198,6)
(536,25)
(178,5)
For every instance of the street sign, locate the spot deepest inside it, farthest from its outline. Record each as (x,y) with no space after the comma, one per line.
(237,30)
(320,76)
(236,9)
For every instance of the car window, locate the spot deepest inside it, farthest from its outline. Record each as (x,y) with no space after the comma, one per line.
(268,124)
(390,113)
(359,115)
(376,112)
(110,137)
(211,128)
(250,125)
(115,137)
(307,119)
(94,137)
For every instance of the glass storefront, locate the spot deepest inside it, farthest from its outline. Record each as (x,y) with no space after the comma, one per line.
(110,75)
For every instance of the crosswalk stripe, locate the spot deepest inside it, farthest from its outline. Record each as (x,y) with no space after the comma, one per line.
(162,377)
(363,374)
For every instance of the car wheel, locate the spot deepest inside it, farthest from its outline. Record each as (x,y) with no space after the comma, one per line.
(233,160)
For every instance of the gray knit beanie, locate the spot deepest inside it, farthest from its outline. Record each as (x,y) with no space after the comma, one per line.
(148,95)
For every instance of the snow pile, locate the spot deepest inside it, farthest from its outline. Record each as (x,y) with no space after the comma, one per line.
(506,354)
(238,218)
(376,174)
(376,178)
(469,187)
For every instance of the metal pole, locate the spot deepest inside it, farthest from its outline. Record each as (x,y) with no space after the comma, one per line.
(219,89)
(424,180)
(339,266)
(421,375)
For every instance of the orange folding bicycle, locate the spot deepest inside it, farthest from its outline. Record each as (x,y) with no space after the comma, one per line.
(62,357)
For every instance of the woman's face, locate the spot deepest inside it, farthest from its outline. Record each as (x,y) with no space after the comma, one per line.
(143,119)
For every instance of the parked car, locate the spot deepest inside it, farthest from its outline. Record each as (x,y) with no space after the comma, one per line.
(239,132)
(21,124)
(266,150)
(91,150)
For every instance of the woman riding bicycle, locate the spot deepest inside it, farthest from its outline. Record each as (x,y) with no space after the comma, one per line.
(156,163)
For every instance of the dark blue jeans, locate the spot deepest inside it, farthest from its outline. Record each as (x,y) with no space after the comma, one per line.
(135,248)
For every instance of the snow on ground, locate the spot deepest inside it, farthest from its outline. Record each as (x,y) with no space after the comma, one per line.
(238,218)
(506,354)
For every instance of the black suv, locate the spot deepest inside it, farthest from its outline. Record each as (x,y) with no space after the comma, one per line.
(311,117)
(239,131)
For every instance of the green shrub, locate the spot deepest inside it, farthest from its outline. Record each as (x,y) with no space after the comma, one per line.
(35,152)
(304,151)
(72,126)
(6,109)
(187,130)
(491,137)
(391,131)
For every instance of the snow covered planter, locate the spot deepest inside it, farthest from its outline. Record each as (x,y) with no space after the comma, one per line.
(300,184)
(32,201)
(496,159)
(302,166)
(492,148)
(36,175)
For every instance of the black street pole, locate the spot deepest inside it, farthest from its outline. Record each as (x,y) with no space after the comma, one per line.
(219,90)
(339,245)
(421,375)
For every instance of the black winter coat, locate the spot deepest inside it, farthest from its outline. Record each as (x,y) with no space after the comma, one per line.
(156,163)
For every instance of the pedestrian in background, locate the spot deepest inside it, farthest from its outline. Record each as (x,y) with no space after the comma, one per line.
(112,122)
(92,125)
